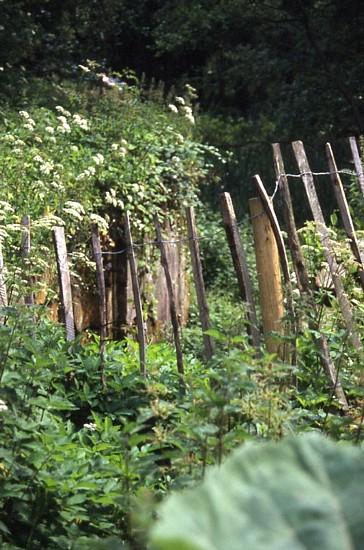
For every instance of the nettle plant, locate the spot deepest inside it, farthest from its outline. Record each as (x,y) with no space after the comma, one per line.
(90,157)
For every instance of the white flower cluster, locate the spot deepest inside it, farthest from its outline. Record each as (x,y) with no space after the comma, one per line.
(66,119)
(29,123)
(98,159)
(3,406)
(90,426)
(111,198)
(46,167)
(120,148)
(184,109)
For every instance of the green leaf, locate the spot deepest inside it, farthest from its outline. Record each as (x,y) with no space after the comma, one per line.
(302,493)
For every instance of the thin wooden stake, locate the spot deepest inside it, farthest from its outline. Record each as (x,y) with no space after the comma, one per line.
(344,210)
(64,281)
(172,301)
(269,276)
(3,290)
(324,235)
(100,281)
(137,298)
(240,265)
(357,162)
(25,252)
(288,215)
(199,282)
(303,278)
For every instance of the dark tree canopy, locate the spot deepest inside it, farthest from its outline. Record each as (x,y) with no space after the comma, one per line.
(294,63)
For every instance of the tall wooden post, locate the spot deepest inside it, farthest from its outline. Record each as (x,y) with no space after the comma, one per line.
(357,163)
(100,280)
(269,276)
(136,294)
(240,265)
(64,281)
(25,252)
(199,282)
(3,290)
(172,301)
(344,210)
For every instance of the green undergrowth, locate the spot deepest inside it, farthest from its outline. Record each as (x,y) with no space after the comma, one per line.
(80,462)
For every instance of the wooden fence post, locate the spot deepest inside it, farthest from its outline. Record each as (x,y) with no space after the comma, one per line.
(344,210)
(357,163)
(240,265)
(269,276)
(199,282)
(303,278)
(3,290)
(25,252)
(137,298)
(100,281)
(269,210)
(64,281)
(288,215)
(324,235)
(172,301)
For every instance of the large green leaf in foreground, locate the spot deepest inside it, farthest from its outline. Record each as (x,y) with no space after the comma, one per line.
(303,493)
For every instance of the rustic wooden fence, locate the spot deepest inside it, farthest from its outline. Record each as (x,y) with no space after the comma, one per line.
(278,315)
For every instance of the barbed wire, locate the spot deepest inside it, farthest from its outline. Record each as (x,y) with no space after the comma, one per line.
(187,239)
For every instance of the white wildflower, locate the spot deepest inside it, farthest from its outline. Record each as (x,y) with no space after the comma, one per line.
(24,114)
(123,152)
(60,109)
(90,426)
(29,126)
(124,142)
(190,118)
(98,159)
(74,148)
(172,108)
(38,158)
(65,128)
(187,110)
(180,138)
(19,143)
(180,100)
(114,146)
(84,69)
(38,139)
(53,139)
(80,121)
(91,170)
(46,168)
(9,137)
(3,405)
(49,129)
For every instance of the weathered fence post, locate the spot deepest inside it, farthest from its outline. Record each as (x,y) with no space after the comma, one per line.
(269,276)
(302,276)
(199,282)
(25,252)
(344,210)
(3,291)
(100,281)
(269,210)
(240,265)
(357,163)
(64,281)
(172,301)
(288,215)
(136,294)
(324,235)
